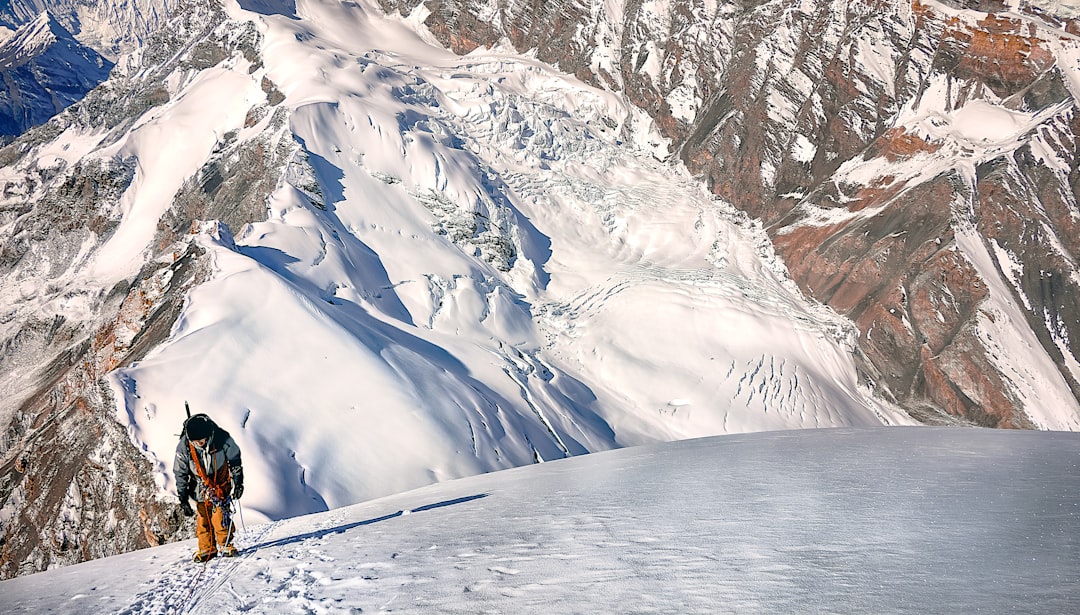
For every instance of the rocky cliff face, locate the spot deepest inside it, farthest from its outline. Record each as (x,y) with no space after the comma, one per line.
(916,164)
(73,487)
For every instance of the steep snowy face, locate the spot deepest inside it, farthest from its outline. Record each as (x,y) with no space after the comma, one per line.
(110,27)
(378,264)
(28,41)
(52,52)
(44,70)
(915,164)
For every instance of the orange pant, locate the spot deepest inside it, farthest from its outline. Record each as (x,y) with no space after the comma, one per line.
(210,528)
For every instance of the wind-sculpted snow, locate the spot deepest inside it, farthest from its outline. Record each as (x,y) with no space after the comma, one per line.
(888,520)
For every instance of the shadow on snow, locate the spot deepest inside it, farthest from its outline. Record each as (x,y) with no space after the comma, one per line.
(341,529)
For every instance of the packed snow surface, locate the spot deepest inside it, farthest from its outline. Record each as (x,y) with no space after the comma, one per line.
(886,520)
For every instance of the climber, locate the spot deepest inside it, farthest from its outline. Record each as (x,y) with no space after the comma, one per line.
(207,469)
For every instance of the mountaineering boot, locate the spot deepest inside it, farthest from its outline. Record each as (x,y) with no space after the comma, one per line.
(204,556)
(230,551)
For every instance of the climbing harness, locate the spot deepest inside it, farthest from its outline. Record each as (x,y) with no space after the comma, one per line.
(215,491)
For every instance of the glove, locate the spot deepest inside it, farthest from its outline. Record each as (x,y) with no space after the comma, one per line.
(185,507)
(237,483)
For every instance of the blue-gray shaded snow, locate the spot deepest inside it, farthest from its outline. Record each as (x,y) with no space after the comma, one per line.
(899,520)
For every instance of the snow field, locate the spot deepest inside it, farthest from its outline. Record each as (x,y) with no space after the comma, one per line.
(898,520)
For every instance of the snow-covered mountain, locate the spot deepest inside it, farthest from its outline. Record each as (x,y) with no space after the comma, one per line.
(111,27)
(896,520)
(52,52)
(379,265)
(43,70)
(382,264)
(914,162)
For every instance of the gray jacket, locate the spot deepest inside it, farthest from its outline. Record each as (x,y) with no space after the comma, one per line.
(220,461)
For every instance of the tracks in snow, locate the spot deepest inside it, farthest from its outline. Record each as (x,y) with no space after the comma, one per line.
(181,588)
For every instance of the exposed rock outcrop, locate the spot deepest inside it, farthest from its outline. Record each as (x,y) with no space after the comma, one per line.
(73,487)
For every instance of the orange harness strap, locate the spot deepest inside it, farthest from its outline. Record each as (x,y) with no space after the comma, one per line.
(216,490)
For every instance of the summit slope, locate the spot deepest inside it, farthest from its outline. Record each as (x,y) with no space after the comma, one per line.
(887,520)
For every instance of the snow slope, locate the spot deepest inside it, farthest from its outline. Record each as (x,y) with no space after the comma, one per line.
(888,520)
(471,263)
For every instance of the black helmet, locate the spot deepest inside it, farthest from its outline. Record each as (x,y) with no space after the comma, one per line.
(198,427)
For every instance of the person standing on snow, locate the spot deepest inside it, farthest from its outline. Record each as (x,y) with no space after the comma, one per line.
(207,469)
